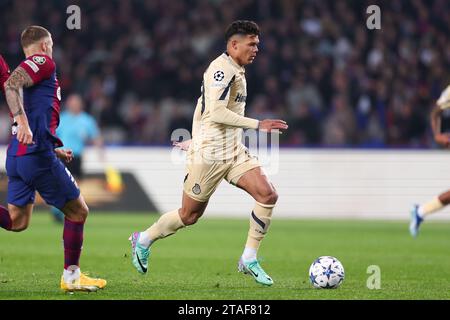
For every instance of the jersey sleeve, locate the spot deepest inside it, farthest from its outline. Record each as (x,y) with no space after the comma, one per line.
(4,73)
(218,81)
(221,114)
(38,67)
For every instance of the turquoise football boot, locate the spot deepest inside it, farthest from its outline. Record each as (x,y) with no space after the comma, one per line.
(254,269)
(139,254)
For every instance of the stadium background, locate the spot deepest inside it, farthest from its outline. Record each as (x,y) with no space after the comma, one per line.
(139,65)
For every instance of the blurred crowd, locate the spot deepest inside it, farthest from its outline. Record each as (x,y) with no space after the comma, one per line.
(139,64)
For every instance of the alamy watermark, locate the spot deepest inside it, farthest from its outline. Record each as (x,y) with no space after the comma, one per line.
(374,280)
(263,147)
(374,20)
(73,21)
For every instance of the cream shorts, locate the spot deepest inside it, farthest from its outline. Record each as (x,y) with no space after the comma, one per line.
(203,177)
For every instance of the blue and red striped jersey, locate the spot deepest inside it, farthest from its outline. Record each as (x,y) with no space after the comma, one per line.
(42,105)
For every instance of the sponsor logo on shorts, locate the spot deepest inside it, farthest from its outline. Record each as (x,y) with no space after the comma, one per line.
(196,189)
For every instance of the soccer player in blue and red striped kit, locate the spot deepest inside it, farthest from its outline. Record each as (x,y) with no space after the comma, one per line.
(33,160)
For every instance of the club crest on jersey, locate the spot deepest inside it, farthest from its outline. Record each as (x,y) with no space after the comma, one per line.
(219,75)
(196,189)
(39,59)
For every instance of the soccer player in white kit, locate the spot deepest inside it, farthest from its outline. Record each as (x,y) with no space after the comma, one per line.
(217,153)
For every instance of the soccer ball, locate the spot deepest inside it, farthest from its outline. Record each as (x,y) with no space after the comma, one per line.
(326,272)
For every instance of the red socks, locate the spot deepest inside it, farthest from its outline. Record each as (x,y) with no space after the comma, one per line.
(73,242)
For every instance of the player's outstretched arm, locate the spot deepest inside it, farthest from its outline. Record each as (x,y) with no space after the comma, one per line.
(272,124)
(221,114)
(18,80)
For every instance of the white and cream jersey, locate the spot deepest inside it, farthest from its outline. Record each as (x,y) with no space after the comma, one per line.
(444,100)
(219,114)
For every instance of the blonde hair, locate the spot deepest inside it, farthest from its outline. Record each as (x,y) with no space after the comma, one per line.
(33,34)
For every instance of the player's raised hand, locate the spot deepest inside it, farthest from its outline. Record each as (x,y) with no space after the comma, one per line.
(443,139)
(24,134)
(272,124)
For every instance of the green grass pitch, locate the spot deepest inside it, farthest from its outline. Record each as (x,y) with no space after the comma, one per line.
(200,262)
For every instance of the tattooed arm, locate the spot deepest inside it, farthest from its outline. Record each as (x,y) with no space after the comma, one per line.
(18,80)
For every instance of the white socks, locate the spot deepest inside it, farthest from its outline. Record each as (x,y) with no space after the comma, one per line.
(144,239)
(249,254)
(71,274)
(420,211)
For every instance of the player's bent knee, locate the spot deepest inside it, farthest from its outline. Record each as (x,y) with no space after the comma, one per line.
(268,197)
(18,226)
(83,212)
(273,197)
(445,198)
(76,210)
(189,218)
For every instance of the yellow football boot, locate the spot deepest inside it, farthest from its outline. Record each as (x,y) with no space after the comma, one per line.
(83,283)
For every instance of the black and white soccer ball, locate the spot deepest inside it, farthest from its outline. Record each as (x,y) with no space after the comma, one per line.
(326,272)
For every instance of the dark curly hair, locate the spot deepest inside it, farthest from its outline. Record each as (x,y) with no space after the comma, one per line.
(244,27)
